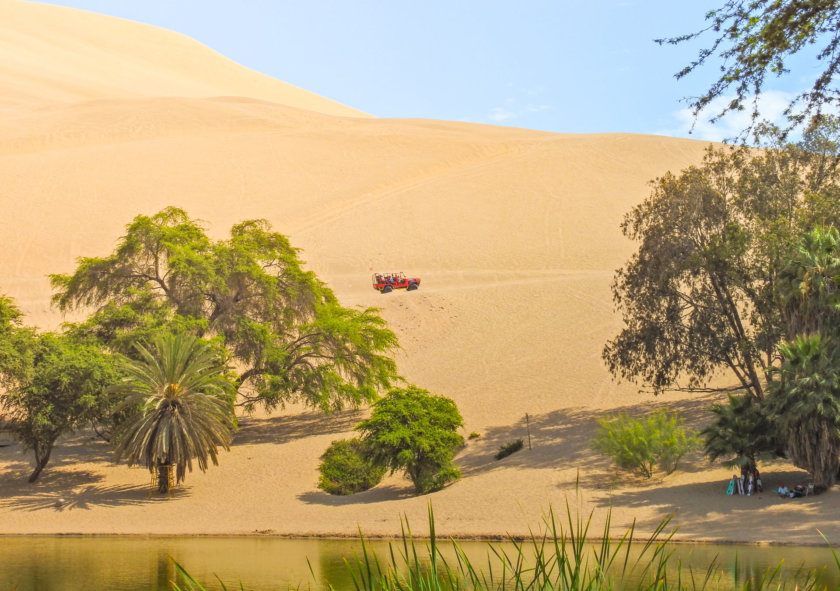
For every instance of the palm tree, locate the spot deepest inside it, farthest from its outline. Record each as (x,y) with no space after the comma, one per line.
(805,396)
(805,400)
(184,407)
(809,284)
(741,434)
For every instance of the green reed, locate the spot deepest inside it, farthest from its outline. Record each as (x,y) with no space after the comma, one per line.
(561,557)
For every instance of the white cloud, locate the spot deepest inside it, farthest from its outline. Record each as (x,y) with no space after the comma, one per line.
(771,106)
(501,114)
(512,112)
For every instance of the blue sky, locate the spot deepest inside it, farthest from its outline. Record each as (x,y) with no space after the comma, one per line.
(567,66)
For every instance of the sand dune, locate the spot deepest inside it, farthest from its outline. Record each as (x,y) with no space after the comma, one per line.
(56,54)
(514,232)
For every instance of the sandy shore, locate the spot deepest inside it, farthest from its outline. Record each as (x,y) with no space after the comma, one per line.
(515,234)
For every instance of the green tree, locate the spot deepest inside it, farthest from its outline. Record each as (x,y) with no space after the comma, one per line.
(53,384)
(412,430)
(741,434)
(641,444)
(699,295)
(805,401)
(756,39)
(15,345)
(809,284)
(346,468)
(805,396)
(282,327)
(184,400)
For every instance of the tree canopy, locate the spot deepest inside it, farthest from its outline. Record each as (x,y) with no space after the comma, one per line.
(52,384)
(281,327)
(181,405)
(805,394)
(412,430)
(756,40)
(699,295)
(741,434)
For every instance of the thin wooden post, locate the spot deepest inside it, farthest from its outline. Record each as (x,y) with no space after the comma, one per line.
(528,425)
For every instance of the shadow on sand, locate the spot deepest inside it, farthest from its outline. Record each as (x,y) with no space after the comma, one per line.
(559,439)
(283,429)
(63,485)
(377,494)
(562,439)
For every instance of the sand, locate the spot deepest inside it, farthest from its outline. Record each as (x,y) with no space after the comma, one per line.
(515,234)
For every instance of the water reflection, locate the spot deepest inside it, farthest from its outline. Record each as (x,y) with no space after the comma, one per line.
(129,563)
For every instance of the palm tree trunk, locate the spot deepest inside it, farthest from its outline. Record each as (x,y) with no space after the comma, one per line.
(163,478)
(815,447)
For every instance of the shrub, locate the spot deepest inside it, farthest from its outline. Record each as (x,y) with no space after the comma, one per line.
(412,430)
(474,435)
(345,468)
(509,448)
(639,445)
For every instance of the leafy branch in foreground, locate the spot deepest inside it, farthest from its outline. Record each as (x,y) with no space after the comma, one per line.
(756,40)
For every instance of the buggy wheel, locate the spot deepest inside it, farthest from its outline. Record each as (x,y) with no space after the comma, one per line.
(412,287)
(387,289)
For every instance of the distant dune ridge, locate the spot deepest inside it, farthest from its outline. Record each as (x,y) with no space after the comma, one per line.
(515,234)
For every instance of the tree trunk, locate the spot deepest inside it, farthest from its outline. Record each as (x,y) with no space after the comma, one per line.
(163,478)
(815,447)
(41,459)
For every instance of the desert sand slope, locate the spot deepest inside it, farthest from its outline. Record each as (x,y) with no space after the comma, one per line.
(515,234)
(57,54)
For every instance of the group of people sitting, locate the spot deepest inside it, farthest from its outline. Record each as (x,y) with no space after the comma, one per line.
(748,483)
(792,493)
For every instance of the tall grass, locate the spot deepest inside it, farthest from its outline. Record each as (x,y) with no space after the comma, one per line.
(561,557)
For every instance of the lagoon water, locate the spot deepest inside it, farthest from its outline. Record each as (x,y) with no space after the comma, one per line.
(264,563)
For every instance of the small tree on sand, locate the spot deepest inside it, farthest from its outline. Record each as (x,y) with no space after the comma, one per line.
(184,402)
(640,445)
(346,468)
(412,430)
(53,384)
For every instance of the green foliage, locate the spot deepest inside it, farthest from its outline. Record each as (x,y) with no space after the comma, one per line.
(345,468)
(508,448)
(412,430)
(184,400)
(640,445)
(809,284)
(53,384)
(474,435)
(561,556)
(282,327)
(699,295)
(805,402)
(757,39)
(805,396)
(741,433)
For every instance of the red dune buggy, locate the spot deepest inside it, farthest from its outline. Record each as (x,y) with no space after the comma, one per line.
(388,282)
